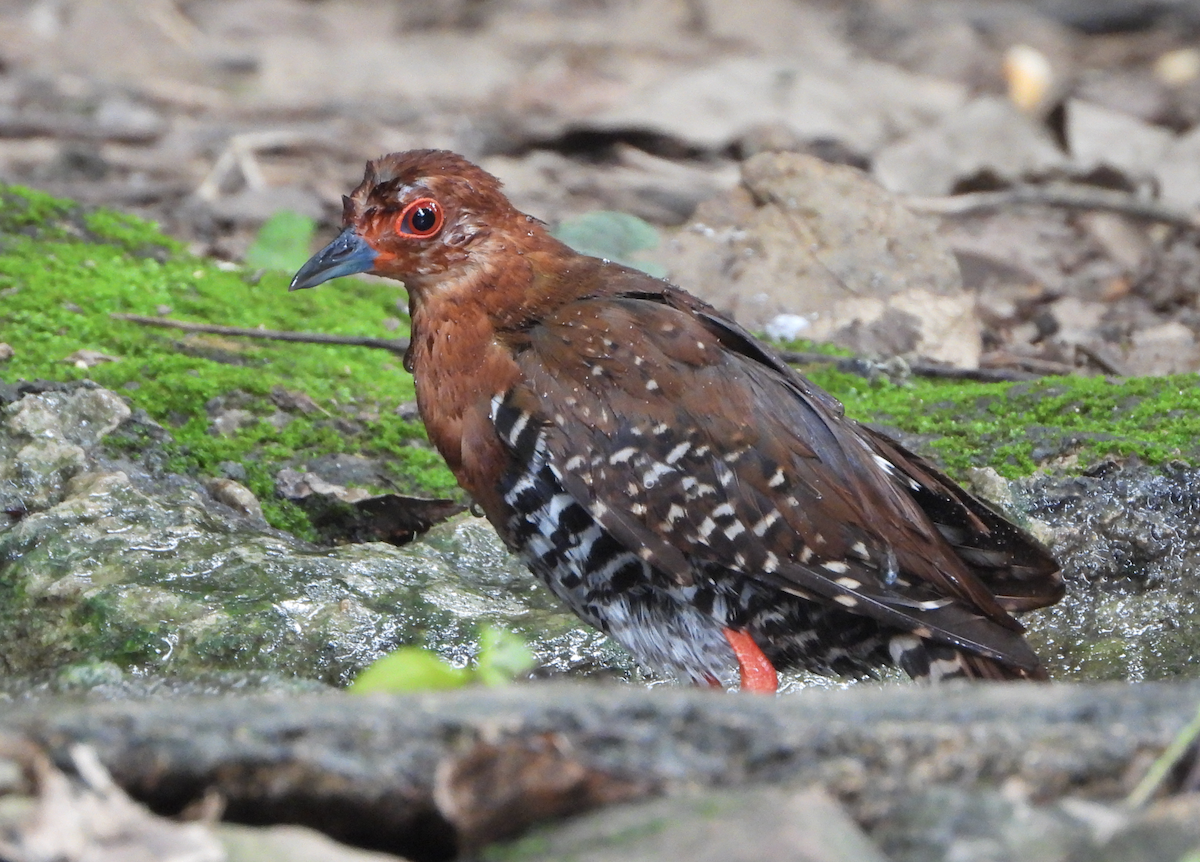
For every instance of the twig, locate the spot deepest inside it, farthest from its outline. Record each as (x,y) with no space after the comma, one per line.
(998,359)
(982,375)
(400,345)
(1159,769)
(395,345)
(1098,355)
(918,369)
(240,152)
(1065,197)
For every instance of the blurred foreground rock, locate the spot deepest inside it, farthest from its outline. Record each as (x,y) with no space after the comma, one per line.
(1025,772)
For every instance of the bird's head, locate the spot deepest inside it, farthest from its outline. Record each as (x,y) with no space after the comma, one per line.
(423,217)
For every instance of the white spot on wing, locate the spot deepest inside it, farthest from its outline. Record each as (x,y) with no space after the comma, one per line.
(622,455)
(517,428)
(678,452)
(760,529)
(835,566)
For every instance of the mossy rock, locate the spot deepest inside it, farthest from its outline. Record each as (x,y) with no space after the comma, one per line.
(64,270)
(1064,423)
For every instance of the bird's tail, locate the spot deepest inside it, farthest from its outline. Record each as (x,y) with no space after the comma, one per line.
(931,661)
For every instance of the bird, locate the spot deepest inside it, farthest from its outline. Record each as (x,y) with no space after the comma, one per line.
(663,472)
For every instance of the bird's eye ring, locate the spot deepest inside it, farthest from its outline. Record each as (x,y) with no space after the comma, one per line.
(421,219)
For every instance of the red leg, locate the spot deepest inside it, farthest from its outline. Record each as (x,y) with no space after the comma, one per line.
(758,674)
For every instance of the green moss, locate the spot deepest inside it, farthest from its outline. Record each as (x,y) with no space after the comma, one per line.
(59,288)
(1016,427)
(24,209)
(803,345)
(63,271)
(131,233)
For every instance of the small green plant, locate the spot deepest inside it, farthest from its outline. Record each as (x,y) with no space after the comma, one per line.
(502,657)
(619,237)
(1163,764)
(282,242)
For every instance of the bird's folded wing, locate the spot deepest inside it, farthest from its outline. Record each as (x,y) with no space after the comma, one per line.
(696,454)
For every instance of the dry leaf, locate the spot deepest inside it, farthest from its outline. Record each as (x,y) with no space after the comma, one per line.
(85,358)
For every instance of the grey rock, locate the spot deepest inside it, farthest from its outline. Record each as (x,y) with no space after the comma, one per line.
(984,825)
(229,422)
(1178,171)
(988,135)
(236,496)
(1007,825)
(804,237)
(816,94)
(729,826)
(1168,831)
(1101,136)
(256,205)
(289,844)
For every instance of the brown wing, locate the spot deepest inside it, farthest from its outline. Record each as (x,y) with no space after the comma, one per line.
(687,440)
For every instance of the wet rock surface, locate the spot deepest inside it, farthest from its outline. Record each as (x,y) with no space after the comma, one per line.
(1127,538)
(121,577)
(113,569)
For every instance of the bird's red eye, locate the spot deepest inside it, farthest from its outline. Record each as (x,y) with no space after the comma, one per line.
(421,219)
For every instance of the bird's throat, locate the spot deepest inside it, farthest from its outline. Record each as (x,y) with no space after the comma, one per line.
(458,366)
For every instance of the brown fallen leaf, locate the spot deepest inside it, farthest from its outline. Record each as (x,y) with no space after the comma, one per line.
(496,791)
(234,495)
(6,352)
(295,402)
(354,515)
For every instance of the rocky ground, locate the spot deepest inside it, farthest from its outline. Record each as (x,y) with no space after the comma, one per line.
(964,197)
(211,115)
